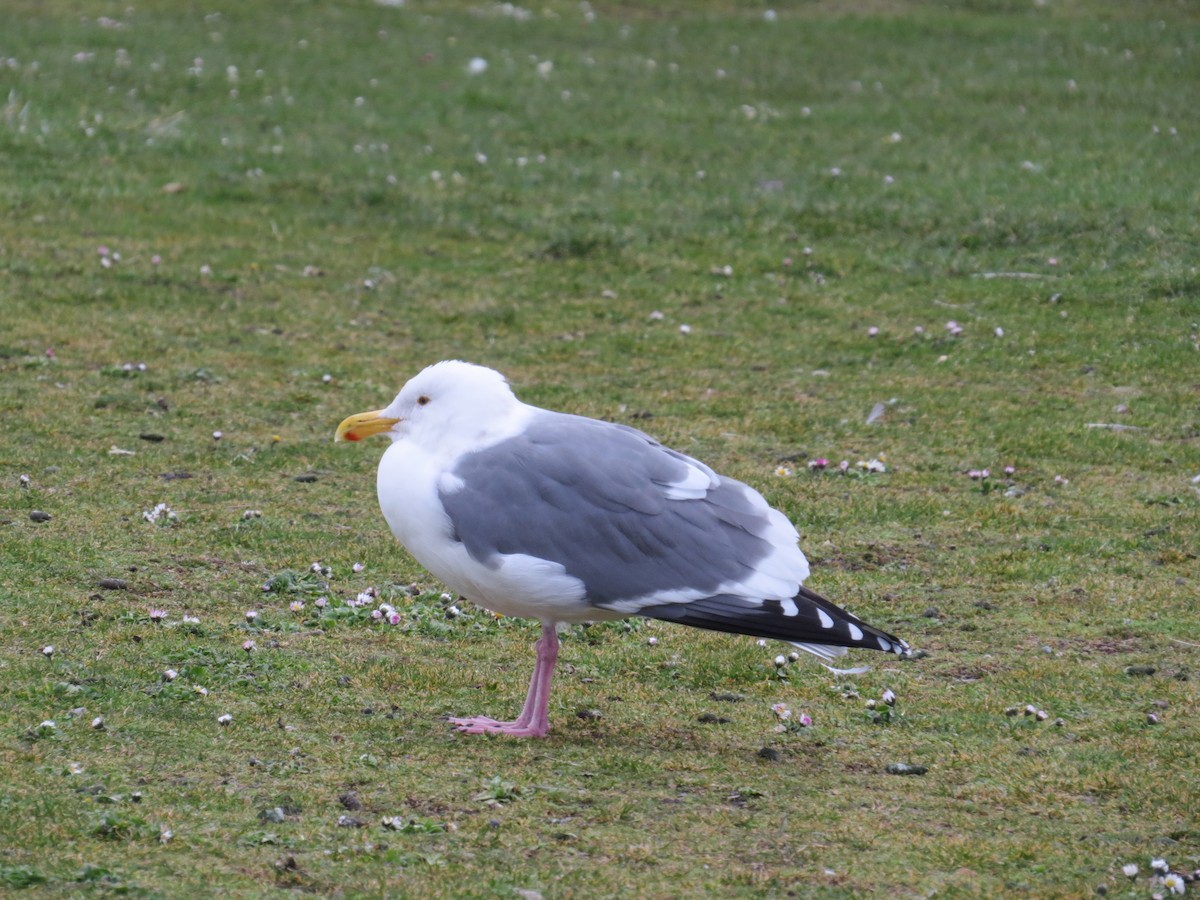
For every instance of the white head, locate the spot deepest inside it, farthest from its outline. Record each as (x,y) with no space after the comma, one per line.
(449,406)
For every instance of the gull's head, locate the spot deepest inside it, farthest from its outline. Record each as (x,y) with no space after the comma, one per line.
(450,403)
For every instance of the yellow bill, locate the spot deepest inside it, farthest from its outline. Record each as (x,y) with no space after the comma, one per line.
(361,425)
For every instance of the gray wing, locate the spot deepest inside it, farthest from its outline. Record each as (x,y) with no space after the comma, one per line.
(648,531)
(620,512)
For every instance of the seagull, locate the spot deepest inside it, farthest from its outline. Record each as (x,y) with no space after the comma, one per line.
(566,519)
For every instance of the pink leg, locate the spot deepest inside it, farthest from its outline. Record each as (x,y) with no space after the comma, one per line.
(534,720)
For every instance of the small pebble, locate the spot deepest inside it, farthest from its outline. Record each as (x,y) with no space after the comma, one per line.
(1151,719)
(274,815)
(112,584)
(1140,670)
(37,515)
(770,754)
(905,769)
(589,714)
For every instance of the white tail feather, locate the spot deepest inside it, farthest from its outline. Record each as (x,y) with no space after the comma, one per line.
(857,670)
(821,651)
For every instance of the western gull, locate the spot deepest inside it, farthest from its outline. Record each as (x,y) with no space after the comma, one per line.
(563,519)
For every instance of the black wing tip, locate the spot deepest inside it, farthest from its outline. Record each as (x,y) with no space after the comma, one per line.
(814,620)
(894,644)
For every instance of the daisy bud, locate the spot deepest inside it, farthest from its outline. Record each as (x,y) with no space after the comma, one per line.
(224,719)
(48,651)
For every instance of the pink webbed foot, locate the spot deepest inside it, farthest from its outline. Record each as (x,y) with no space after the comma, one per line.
(484,725)
(533,721)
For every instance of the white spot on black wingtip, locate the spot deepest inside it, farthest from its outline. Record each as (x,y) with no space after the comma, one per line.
(884,644)
(855,632)
(826,620)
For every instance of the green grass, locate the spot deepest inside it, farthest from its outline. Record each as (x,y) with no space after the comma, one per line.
(1026,167)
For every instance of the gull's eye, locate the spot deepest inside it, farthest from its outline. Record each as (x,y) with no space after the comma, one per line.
(422,400)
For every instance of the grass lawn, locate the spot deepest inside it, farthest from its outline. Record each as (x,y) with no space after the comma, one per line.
(229,226)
